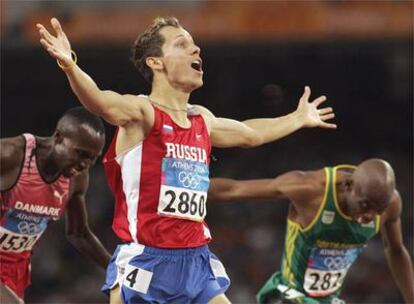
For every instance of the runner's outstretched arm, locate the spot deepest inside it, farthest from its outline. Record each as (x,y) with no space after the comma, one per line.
(115,108)
(255,132)
(296,186)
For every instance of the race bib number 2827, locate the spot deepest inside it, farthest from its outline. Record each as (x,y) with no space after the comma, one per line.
(327,269)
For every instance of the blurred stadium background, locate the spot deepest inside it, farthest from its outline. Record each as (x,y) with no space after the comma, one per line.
(257,58)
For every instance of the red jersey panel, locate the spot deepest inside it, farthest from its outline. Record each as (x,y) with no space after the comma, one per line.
(160,185)
(28,206)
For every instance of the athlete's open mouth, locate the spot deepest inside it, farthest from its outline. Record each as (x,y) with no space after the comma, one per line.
(197,65)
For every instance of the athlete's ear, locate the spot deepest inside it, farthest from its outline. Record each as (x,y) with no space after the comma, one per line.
(154,63)
(58,137)
(349,184)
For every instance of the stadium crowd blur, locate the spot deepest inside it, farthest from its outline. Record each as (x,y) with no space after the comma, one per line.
(257,56)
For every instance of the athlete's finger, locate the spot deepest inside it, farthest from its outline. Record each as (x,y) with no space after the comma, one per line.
(50,48)
(40,26)
(319,100)
(306,93)
(328,125)
(56,26)
(46,35)
(325,111)
(327,116)
(46,44)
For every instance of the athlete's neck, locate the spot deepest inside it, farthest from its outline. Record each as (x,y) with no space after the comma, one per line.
(173,102)
(342,188)
(170,97)
(45,161)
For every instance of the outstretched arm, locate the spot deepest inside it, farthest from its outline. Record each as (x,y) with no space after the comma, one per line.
(115,108)
(255,132)
(77,228)
(294,185)
(398,258)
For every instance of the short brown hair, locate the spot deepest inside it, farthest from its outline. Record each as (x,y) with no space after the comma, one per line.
(149,43)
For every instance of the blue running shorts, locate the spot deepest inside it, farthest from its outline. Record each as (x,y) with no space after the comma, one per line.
(152,275)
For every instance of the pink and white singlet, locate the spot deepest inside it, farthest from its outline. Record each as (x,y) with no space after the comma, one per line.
(28,206)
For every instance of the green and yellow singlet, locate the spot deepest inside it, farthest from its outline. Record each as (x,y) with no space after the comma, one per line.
(317,257)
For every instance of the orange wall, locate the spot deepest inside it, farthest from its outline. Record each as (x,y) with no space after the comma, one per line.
(221,21)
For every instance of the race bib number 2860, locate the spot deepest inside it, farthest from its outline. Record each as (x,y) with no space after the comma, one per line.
(183,192)
(181,203)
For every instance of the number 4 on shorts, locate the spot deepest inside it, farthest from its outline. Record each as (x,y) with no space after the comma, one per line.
(137,279)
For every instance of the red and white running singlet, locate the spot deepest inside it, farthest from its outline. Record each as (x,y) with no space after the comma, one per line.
(28,206)
(160,185)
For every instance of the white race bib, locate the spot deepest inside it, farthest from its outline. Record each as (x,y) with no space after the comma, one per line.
(184,186)
(327,269)
(15,242)
(20,231)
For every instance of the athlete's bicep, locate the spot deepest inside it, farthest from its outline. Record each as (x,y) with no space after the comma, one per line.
(120,109)
(291,185)
(225,132)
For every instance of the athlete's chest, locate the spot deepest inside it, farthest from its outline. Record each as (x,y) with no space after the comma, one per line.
(33,196)
(27,209)
(305,214)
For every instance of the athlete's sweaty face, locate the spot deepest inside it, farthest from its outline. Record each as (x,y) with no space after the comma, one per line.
(78,151)
(181,59)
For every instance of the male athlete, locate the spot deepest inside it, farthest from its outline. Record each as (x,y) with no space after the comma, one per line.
(332,215)
(40,178)
(158,165)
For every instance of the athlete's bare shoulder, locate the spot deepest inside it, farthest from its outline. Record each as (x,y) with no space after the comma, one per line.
(12,148)
(302,187)
(11,158)
(203,111)
(199,109)
(141,101)
(141,109)
(315,179)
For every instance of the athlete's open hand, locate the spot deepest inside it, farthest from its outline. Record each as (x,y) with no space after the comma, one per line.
(309,113)
(58,46)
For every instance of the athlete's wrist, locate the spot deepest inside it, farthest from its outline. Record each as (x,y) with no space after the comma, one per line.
(297,119)
(67,66)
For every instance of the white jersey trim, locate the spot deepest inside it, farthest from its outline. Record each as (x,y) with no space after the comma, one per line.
(130,164)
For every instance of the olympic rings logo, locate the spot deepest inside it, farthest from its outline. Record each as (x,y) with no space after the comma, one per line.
(334,263)
(27,228)
(189,180)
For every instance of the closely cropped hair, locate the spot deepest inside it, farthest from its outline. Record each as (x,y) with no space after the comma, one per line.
(77,116)
(149,43)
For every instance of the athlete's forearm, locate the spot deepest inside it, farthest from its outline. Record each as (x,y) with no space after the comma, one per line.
(271,129)
(89,245)
(400,264)
(227,190)
(86,90)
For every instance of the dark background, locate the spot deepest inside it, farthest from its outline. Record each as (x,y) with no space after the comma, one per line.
(369,82)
